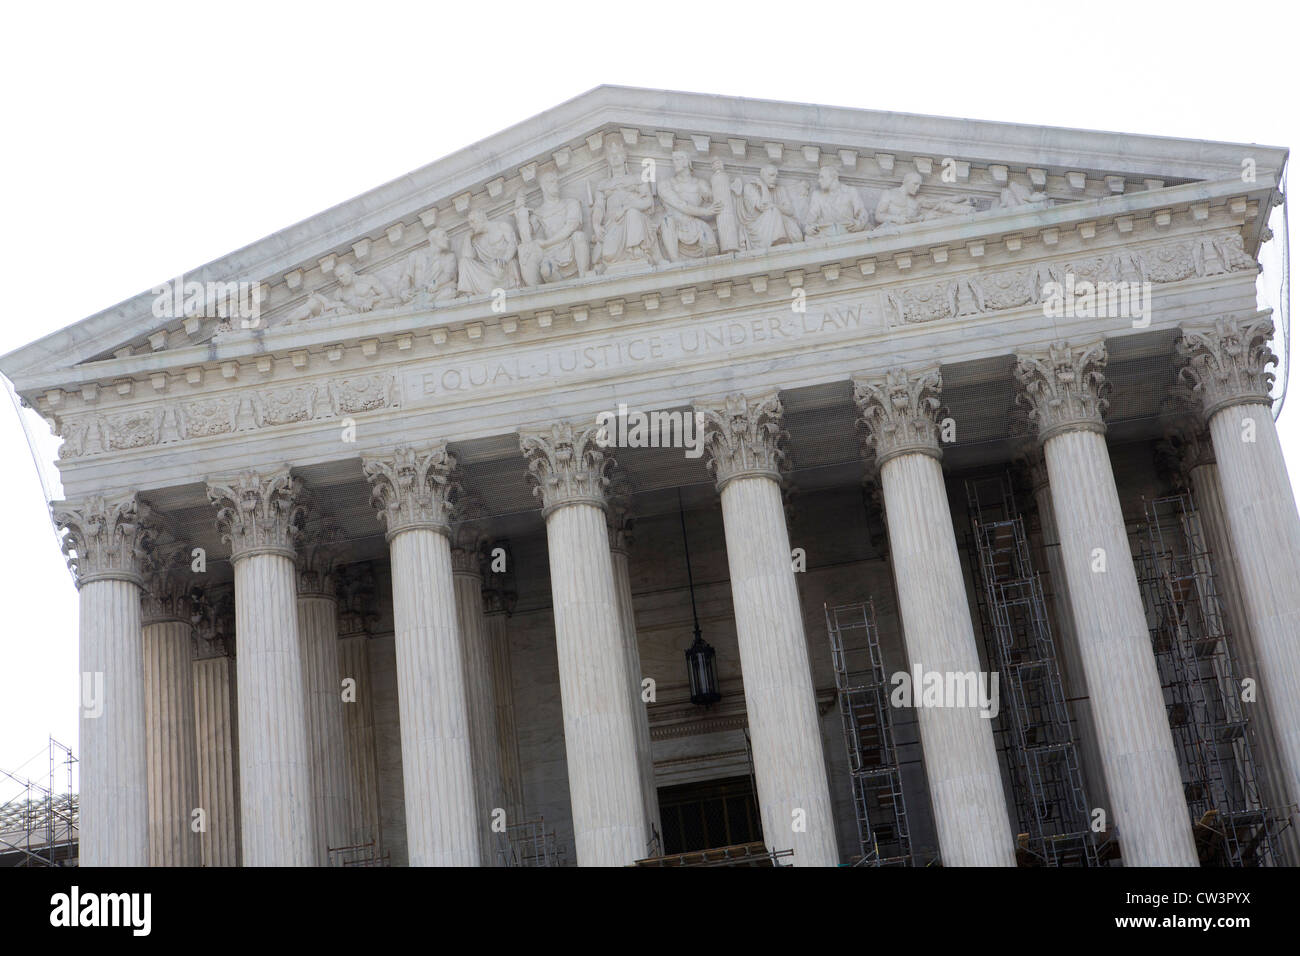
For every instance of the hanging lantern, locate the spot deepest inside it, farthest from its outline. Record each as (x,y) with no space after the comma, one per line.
(702,672)
(700,669)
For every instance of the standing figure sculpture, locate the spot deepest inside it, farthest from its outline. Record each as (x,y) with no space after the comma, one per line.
(767,211)
(834,209)
(689,200)
(487,258)
(725,190)
(552,244)
(620,214)
(430,278)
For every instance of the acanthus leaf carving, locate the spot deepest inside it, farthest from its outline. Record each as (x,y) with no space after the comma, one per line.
(743,437)
(107,538)
(1229,364)
(567,465)
(412,487)
(1064,388)
(900,413)
(258,512)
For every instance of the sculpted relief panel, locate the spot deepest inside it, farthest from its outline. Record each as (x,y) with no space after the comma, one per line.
(633,215)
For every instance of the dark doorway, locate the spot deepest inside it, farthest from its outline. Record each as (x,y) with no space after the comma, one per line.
(716,813)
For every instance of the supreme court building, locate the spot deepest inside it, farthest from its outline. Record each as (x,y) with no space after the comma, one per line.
(380,562)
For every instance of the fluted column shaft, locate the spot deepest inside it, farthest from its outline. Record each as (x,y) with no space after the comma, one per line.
(632,669)
(1207,491)
(507,736)
(257,514)
(318,637)
(104,543)
(412,488)
(1068,642)
(481,694)
(742,438)
(784,729)
(437,767)
(217,759)
(359,743)
(1229,368)
(1265,533)
(599,730)
(961,761)
(1064,388)
(279,819)
(169,732)
(1142,772)
(113,767)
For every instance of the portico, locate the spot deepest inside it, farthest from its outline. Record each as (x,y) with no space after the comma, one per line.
(424,615)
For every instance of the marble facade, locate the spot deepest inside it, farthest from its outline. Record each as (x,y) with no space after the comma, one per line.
(390,471)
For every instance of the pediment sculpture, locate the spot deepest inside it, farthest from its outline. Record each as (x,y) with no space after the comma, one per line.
(629,218)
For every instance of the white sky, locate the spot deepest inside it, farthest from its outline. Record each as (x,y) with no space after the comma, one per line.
(144,140)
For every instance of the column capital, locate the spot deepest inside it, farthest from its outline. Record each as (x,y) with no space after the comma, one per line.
(743,436)
(356,593)
(318,552)
(214,629)
(1228,364)
(258,512)
(618,517)
(1064,388)
(900,412)
(566,465)
(167,583)
(412,487)
(106,538)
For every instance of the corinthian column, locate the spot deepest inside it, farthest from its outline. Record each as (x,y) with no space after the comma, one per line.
(411,489)
(358,707)
(479,687)
(258,515)
(104,544)
(216,733)
(498,631)
(1228,366)
(961,760)
(742,438)
(1062,388)
(318,633)
(620,539)
(169,709)
(599,728)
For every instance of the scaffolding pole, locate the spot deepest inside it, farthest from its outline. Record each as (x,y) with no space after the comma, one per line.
(1213,736)
(862,688)
(1043,760)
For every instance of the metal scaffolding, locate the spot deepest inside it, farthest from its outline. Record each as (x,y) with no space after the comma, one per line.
(1043,759)
(863,691)
(38,827)
(528,844)
(1203,689)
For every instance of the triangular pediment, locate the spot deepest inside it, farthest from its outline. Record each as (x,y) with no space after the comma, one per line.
(749,179)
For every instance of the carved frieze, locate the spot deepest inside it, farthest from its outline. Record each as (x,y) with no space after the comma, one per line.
(96,433)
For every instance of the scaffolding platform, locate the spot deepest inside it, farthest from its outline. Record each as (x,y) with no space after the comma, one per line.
(862,689)
(745,854)
(1043,760)
(1211,727)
